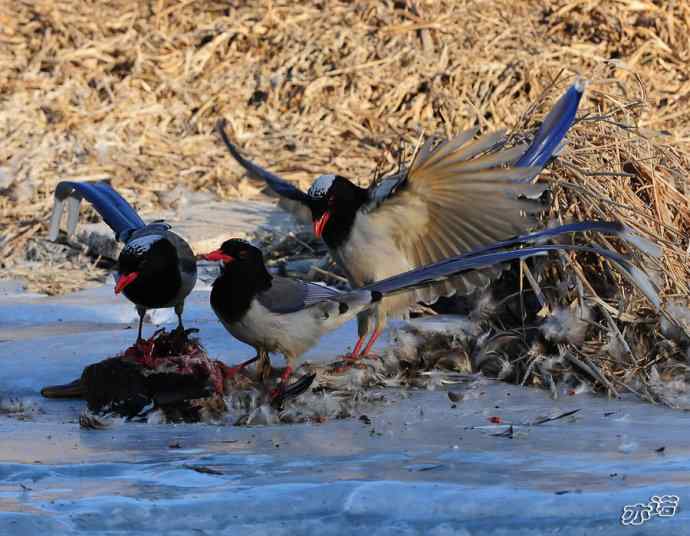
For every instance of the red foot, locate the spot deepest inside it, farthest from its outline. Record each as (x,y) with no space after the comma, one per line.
(231,372)
(362,357)
(349,361)
(280,390)
(142,353)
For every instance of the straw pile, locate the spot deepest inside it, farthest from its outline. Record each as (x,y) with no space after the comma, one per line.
(131,90)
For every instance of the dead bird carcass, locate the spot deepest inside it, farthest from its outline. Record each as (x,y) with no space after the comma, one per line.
(175,380)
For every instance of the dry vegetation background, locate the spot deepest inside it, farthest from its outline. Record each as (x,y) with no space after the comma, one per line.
(131,90)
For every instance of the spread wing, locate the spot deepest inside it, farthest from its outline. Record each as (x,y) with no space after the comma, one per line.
(277,184)
(464,194)
(291,295)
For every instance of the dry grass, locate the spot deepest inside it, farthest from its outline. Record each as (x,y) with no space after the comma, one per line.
(131,90)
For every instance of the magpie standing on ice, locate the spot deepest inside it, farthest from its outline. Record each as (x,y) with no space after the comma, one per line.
(279,314)
(456,196)
(156,268)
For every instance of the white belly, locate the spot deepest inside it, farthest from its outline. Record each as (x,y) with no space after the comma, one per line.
(290,334)
(369,254)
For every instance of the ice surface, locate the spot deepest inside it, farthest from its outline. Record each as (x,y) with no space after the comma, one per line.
(415,466)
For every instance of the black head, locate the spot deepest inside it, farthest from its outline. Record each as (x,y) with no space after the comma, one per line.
(237,251)
(334,202)
(244,275)
(149,272)
(243,263)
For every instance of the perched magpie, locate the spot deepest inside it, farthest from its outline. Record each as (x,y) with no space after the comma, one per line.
(279,314)
(456,196)
(156,267)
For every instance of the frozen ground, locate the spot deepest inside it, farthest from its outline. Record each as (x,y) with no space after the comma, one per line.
(419,467)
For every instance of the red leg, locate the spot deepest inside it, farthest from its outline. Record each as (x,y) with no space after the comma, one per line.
(371,342)
(355,352)
(284,377)
(355,356)
(142,353)
(230,372)
(147,359)
(286,374)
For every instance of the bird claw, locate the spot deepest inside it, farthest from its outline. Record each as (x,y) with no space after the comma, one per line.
(142,352)
(184,334)
(352,359)
(347,361)
(231,372)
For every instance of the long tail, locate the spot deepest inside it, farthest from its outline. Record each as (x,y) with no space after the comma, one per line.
(490,256)
(279,185)
(115,211)
(554,128)
(606,227)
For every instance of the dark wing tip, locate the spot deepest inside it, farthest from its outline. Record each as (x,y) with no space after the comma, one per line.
(554,128)
(220,128)
(276,183)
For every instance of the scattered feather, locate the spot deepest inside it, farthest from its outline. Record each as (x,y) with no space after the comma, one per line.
(567,324)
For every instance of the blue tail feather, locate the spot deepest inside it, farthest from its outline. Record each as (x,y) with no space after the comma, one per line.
(605,227)
(121,204)
(490,256)
(279,185)
(554,128)
(452,267)
(119,215)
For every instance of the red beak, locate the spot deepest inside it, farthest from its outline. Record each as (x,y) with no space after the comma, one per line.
(217,255)
(320,224)
(124,280)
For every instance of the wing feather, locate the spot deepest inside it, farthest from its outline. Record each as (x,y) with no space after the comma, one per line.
(291,295)
(492,160)
(468,193)
(427,157)
(460,152)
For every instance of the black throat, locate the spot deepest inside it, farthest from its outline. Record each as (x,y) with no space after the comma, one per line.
(343,214)
(159,280)
(233,291)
